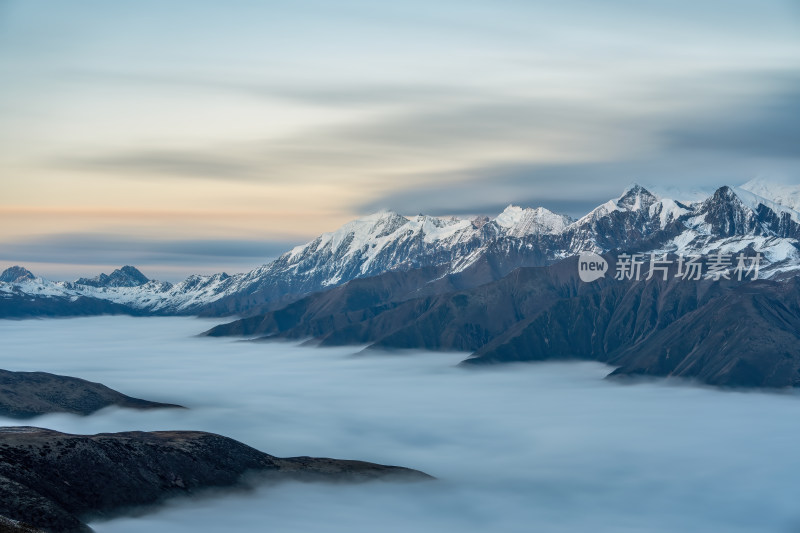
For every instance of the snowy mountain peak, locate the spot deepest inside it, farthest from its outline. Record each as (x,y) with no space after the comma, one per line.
(727,215)
(377,217)
(126,276)
(725,195)
(438,222)
(16,274)
(635,198)
(511,216)
(518,221)
(377,224)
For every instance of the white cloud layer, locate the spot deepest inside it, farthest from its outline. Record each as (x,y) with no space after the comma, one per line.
(539,447)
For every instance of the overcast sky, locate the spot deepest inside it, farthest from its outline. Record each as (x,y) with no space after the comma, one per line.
(194,136)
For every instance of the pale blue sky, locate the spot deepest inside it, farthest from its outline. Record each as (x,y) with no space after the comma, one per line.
(149,124)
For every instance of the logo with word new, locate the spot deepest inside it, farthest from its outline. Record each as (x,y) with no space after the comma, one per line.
(591,267)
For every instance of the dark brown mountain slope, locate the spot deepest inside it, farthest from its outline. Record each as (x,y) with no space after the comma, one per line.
(29,394)
(722,332)
(745,335)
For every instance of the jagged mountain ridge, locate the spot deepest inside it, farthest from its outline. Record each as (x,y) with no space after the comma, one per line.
(126,276)
(730,221)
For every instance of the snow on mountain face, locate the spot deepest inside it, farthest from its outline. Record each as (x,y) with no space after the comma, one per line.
(363,244)
(730,224)
(519,222)
(727,215)
(368,246)
(787,196)
(668,211)
(636,214)
(779,198)
(634,198)
(388,241)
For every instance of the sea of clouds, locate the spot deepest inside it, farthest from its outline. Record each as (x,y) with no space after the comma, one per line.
(539,447)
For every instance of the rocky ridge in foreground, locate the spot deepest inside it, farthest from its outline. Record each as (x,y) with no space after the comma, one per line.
(58,482)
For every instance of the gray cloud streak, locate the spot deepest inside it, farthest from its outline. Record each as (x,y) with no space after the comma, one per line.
(740,124)
(170,164)
(763,128)
(153,257)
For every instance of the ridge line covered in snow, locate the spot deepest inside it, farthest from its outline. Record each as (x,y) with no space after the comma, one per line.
(728,220)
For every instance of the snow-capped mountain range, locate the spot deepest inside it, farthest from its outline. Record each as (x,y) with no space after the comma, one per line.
(755,217)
